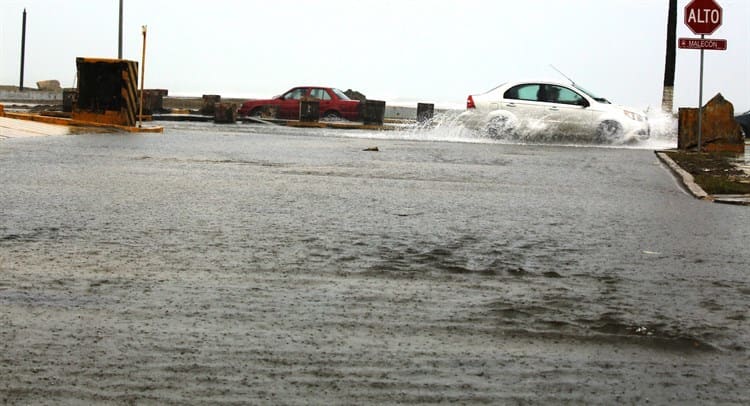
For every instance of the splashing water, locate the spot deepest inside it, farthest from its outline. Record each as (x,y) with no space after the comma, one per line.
(446,127)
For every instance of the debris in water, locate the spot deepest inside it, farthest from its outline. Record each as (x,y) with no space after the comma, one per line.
(371,149)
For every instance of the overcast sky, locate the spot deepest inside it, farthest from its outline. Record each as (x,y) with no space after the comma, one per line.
(396,50)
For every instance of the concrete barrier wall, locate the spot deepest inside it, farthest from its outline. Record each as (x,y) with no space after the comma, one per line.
(31,96)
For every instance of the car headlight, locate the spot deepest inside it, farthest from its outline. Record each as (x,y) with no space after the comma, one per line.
(633,116)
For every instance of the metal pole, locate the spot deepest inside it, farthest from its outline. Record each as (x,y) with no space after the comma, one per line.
(700,103)
(119,38)
(143,71)
(23,50)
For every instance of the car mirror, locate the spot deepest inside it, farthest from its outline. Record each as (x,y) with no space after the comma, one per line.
(583,103)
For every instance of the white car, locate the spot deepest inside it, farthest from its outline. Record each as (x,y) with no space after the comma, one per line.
(521,109)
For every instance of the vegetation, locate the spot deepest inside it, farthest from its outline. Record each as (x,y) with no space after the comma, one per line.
(716,173)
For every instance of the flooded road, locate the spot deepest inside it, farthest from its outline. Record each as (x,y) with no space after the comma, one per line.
(267,265)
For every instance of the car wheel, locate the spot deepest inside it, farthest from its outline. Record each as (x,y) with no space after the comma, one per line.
(256,112)
(609,131)
(498,126)
(332,115)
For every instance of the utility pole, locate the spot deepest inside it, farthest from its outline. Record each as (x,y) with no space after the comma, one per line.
(23,50)
(119,40)
(667,101)
(143,78)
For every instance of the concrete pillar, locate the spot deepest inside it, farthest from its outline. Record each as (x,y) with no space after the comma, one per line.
(309,111)
(106,91)
(225,113)
(153,100)
(209,101)
(69,98)
(425,112)
(372,112)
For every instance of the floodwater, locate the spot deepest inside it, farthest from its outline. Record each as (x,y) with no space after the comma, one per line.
(249,264)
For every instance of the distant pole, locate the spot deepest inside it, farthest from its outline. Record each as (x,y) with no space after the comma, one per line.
(143,76)
(119,38)
(700,103)
(667,101)
(23,49)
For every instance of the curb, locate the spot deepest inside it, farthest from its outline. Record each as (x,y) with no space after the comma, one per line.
(687,179)
(689,182)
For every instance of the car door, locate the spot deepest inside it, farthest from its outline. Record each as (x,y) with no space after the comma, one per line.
(324,99)
(567,110)
(289,105)
(526,103)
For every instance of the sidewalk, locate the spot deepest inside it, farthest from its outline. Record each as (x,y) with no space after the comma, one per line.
(13,128)
(738,174)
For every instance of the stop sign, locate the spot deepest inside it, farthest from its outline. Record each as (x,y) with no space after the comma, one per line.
(703,17)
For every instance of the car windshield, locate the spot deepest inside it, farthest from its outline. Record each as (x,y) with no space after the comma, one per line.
(341,95)
(591,95)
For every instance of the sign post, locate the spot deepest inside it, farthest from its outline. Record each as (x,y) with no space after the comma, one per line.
(703,17)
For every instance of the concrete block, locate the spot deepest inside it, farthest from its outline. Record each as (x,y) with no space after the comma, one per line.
(49,85)
(153,101)
(209,101)
(425,111)
(372,112)
(309,111)
(225,113)
(70,95)
(107,91)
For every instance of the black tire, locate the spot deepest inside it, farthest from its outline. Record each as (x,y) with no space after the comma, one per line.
(332,115)
(256,112)
(609,131)
(498,127)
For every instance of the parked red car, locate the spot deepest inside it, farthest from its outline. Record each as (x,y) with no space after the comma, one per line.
(333,104)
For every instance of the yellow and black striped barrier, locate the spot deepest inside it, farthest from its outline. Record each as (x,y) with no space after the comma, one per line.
(107,92)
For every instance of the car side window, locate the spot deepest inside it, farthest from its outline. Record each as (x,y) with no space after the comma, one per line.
(528,92)
(563,95)
(320,94)
(295,94)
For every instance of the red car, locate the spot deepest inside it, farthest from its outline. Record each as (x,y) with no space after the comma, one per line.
(333,104)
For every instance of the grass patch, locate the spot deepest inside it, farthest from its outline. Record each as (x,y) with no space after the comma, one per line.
(716,173)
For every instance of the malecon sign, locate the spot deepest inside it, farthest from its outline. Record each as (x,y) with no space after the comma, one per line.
(703,17)
(699,43)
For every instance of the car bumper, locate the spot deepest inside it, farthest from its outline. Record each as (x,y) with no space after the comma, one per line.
(638,129)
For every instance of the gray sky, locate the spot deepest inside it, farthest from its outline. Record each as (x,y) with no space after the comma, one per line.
(395,50)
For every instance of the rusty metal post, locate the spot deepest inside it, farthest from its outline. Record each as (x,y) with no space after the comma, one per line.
(700,102)
(143,76)
(23,50)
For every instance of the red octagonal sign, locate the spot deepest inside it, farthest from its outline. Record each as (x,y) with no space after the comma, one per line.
(703,17)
